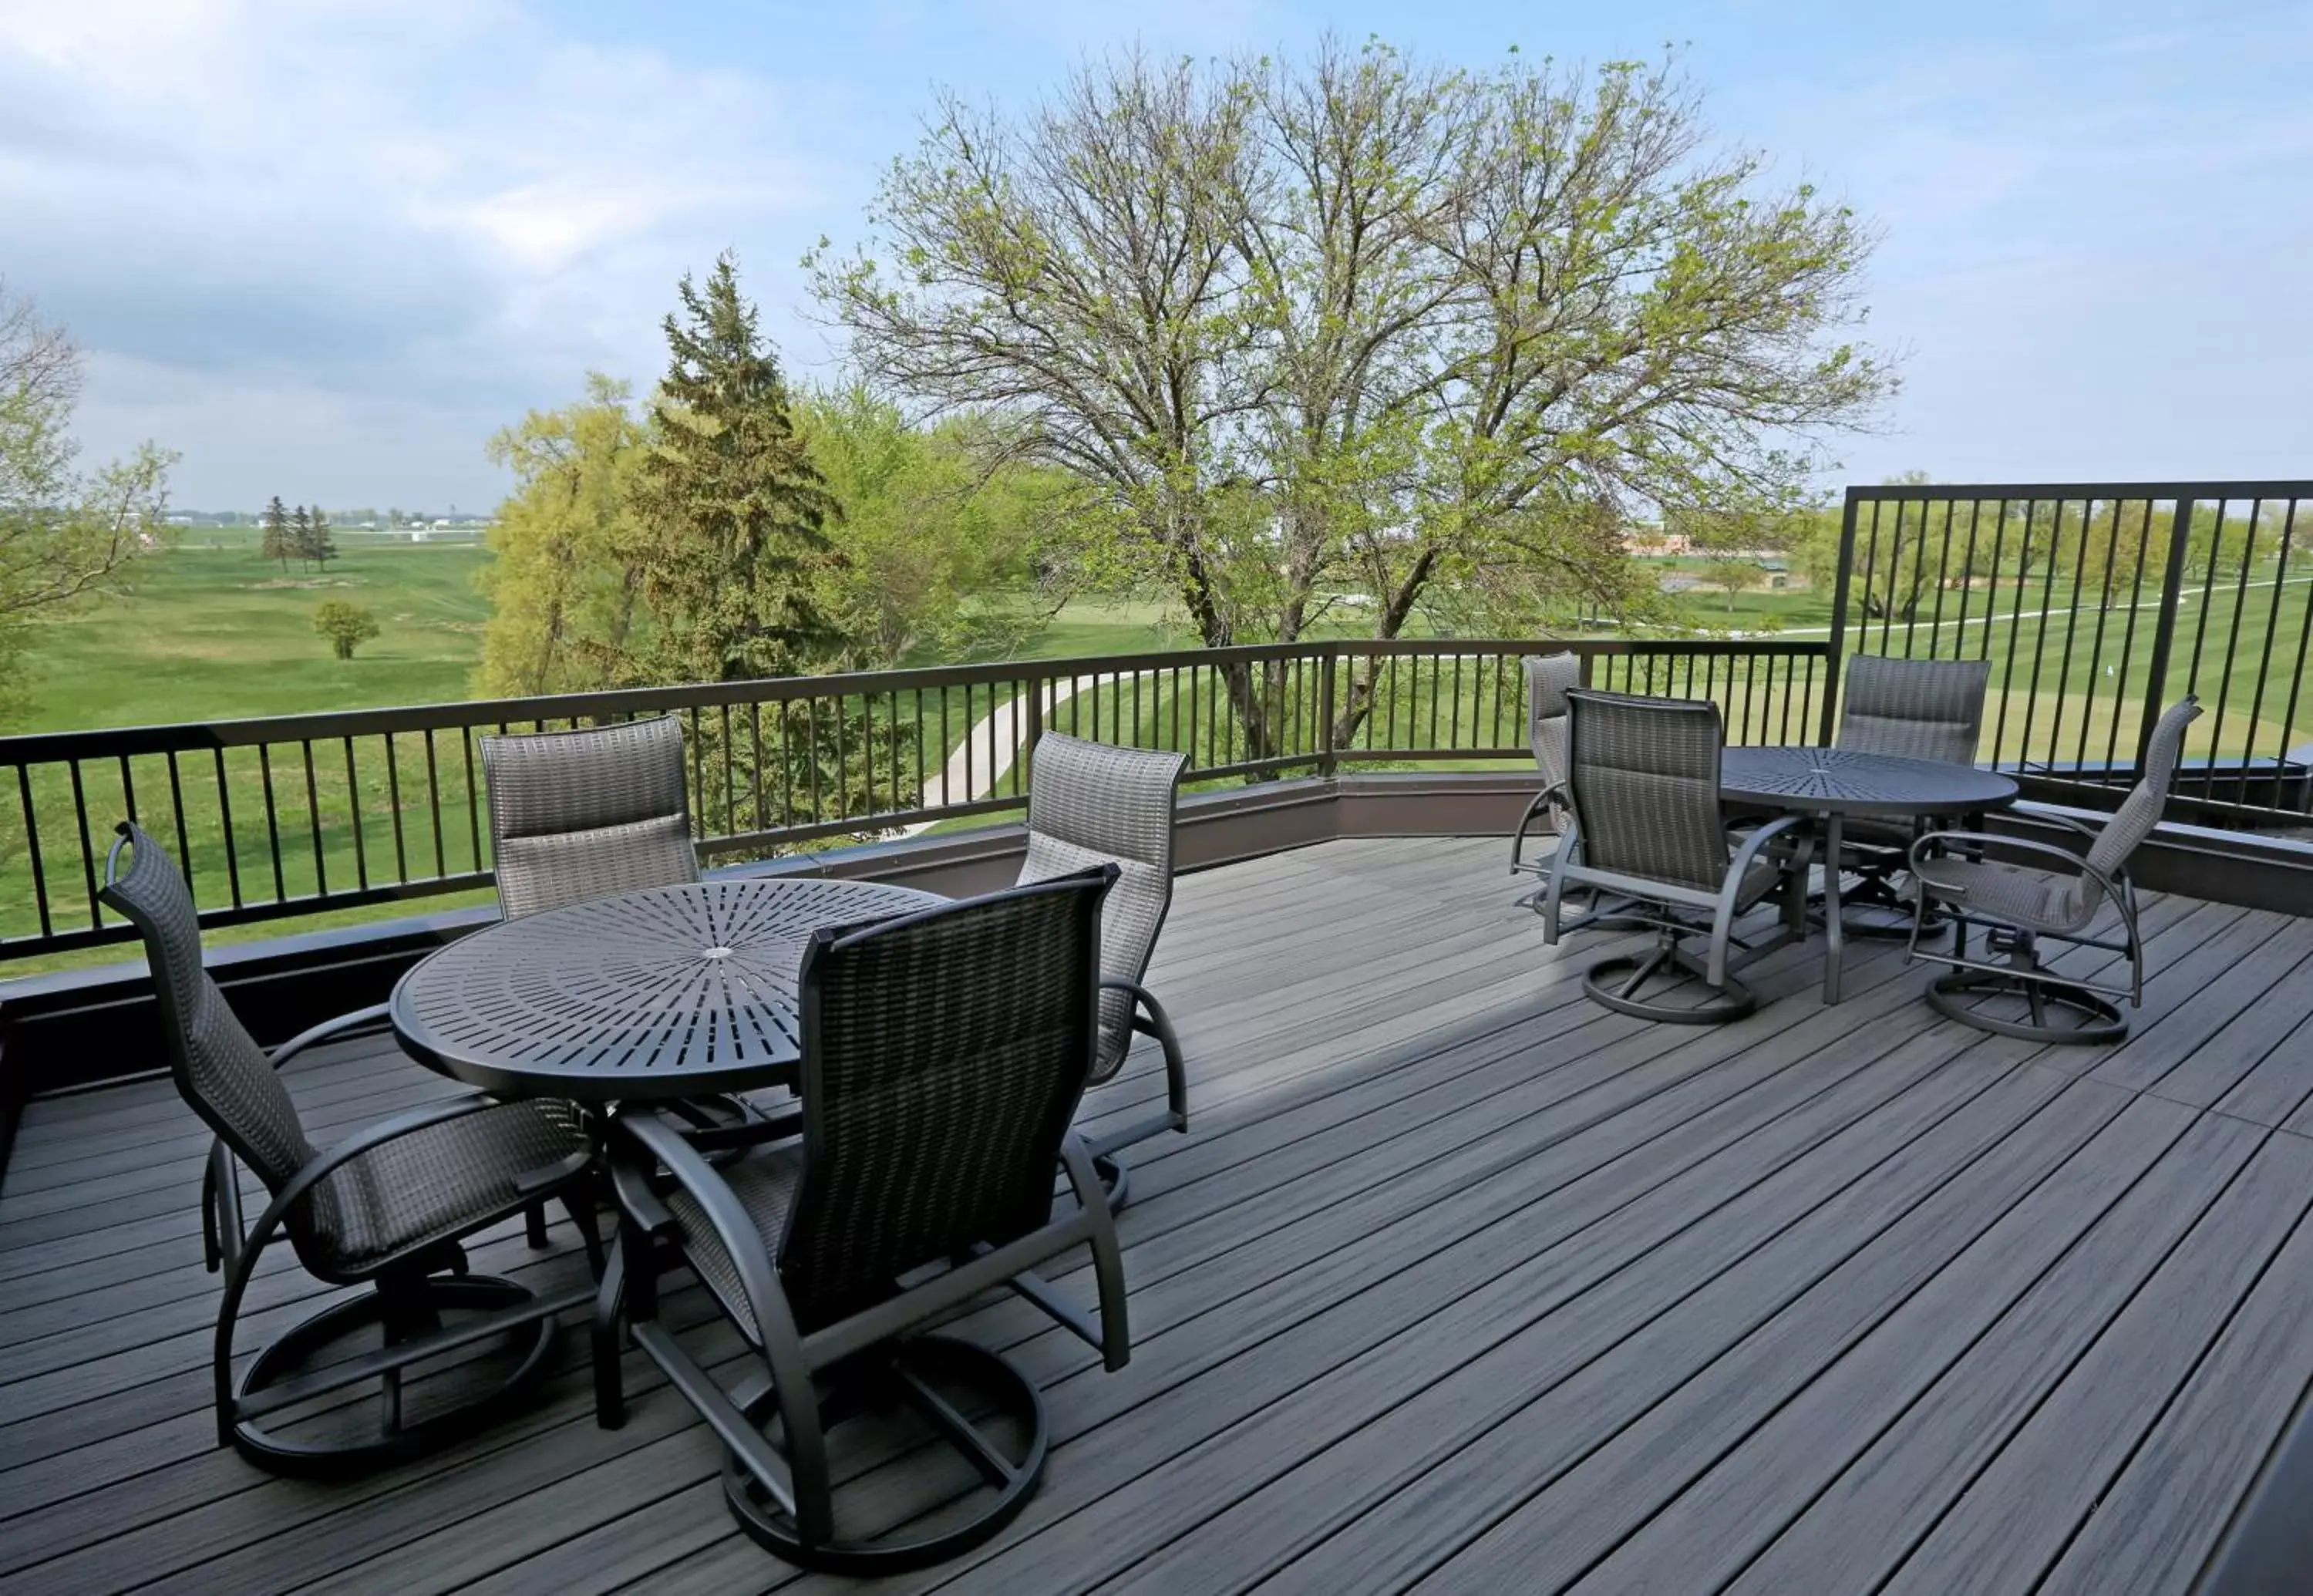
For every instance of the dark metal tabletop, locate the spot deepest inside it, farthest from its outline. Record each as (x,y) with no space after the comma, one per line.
(1835,780)
(669,992)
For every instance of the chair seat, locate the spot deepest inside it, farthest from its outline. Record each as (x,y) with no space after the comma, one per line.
(1879,831)
(765,1184)
(2035,900)
(439,1183)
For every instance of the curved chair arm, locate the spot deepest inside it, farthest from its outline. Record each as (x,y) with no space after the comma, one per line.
(2112,885)
(241,1253)
(1107,1256)
(1150,1019)
(1722,914)
(1554,793)
(767,1301)
(325,1030)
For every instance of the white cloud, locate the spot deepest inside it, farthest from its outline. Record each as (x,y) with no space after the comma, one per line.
(315,206)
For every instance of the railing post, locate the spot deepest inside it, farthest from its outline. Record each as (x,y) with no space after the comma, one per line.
(1328,755)
(2164,629)
(1842,587)
(1032,734)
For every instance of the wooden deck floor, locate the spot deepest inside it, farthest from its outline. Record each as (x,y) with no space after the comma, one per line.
(1460,1283)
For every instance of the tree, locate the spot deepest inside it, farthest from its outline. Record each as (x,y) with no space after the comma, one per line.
(345,625)
(730,512)
(940,550)
(1364,327)
(564,580)
(66,535)
(276,540)
(301,534)
(320,547)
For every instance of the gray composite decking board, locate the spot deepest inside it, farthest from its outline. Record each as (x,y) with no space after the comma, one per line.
(2160,1521)
(2092,1421)
(487,1536)
(2281,1084)
(1421,1167)
(2037,1314)
(1517,1432)
(1888,1492)
(2229,1050)
(2173,1063)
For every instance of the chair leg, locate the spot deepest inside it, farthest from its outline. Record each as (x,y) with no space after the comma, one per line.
(534,1223)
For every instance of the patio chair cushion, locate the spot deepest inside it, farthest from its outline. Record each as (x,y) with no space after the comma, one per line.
(765,1183)
(436,1184)
(2035,900)
(544,872)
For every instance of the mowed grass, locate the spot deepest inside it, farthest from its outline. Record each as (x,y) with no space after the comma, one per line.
(215,634)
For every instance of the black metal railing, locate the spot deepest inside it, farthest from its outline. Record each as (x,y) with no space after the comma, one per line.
(306,815)
(2099,604)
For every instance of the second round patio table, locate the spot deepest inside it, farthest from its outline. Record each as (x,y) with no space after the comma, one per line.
(672,992)
(1833,783)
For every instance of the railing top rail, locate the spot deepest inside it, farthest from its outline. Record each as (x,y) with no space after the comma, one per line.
(2050,492)
(116,742)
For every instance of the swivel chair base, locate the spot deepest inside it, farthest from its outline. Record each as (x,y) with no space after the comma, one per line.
(1617,984)
(2094,1019)
(900,1377)
(272,1382)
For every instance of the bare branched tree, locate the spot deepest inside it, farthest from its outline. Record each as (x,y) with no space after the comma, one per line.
(1362,327)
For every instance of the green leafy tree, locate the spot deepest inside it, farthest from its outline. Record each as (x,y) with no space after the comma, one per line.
(68,535)
(1358,327)
(939,550)
(275,539)
(731,513)
(564,580)
(345,626)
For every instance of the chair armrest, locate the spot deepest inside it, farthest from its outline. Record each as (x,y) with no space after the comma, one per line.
(324,1031)
(2109,885)
(749,1251)
(1754,842)
(368,1138)
(1553,793)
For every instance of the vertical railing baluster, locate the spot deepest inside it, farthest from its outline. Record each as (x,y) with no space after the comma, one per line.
(354,817)
(313,819)
(434,806)
(32,848)
(2264,665)
(272,820)
(394,803)
(473,798)
(87,849)
(176,811)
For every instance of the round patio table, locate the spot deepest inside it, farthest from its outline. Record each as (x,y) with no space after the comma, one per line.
(1833,783)
(673,992)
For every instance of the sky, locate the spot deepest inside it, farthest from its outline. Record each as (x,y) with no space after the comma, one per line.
(325,250)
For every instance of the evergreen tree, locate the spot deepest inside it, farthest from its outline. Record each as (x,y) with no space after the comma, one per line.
(301,534)
(274,538)
(731,511)
(321,548)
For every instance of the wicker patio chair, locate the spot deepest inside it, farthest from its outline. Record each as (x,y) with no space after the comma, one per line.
(579,815)
(944,1054)
(1920,708)
(1644,785)
(1093,803)
(387,1208)
(1973,878)
(1548,677)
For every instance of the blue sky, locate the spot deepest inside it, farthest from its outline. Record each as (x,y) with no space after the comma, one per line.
(325,248)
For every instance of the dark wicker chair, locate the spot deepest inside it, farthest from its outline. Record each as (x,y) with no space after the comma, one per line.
(387,1208)
(1647,829)
(944,1054)
(579,815)
(1920,708)
(1090,803)
(1972,878)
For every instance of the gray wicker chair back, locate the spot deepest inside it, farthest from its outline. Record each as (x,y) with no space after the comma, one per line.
(1548,678)
(1920,708)
(219,1068)
(2139,811)
(579,815)
(944,1055)
(1090,803)
(1646,787)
